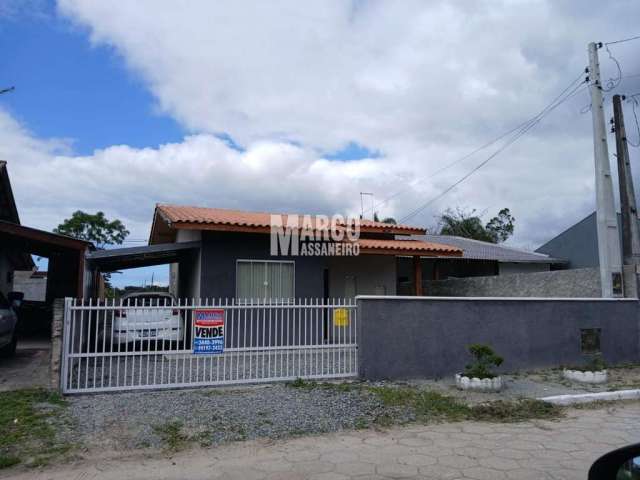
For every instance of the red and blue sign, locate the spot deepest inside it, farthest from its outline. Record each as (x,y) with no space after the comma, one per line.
(208,325)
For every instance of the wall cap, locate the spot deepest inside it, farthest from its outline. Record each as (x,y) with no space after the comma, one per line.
(536,299)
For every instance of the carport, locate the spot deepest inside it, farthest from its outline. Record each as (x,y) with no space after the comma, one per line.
(181,256)
(66,255)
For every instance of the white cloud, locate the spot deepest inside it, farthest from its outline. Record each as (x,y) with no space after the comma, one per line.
(421,82)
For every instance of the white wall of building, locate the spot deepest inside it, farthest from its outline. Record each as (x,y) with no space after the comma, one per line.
(188,287)
(34,288)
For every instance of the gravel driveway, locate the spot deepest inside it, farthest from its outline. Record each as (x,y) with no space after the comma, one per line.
(132,420)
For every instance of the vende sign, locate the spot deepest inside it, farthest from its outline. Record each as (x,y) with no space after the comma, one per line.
(208,327)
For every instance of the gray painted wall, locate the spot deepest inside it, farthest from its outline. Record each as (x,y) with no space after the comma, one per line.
(423,337)
(219,253)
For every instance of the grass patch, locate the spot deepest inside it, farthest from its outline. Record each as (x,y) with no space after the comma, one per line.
(312,384)
(27,427)
(515,411)
(7,461)
(172,435)
(302,384)
(429,406)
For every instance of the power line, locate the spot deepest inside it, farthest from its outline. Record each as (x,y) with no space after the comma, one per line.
(622,40)
(634,103)
(482,147)
(531,123)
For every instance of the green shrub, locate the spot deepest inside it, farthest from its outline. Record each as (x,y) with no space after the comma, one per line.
(594,363)
(484,359)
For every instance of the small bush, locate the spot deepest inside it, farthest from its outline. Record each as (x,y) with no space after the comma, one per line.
(594,364)
(172,435)
(484,359)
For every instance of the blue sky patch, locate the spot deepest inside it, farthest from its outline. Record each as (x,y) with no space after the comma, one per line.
(353,151)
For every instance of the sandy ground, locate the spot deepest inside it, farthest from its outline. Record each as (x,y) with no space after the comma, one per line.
(29,367)
(561,449)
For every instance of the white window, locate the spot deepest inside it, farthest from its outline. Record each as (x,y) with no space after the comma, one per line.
(264,280)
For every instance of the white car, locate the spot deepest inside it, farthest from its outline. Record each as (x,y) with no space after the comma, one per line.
(142,318)
(8,322)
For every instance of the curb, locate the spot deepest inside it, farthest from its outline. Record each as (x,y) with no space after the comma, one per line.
(593,397)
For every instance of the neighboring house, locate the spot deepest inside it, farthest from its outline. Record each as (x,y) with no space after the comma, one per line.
(578,244)
(67,276)
(33,283)
(11,258)
(479,259)
(230,257)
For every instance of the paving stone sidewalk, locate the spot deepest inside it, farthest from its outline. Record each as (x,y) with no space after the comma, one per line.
(553,450)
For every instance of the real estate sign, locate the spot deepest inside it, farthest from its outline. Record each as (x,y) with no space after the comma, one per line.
(208,325)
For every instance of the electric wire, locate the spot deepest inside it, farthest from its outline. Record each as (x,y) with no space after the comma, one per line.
(530,124)
(479,149)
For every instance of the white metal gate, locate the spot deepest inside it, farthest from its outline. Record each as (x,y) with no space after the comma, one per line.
(110,345)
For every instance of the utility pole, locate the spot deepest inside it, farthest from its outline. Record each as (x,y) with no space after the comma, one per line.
(362,203)
(628,209)
(606,219)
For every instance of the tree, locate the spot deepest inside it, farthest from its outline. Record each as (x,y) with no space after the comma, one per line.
(501,226)
(376,218)
(94,228)
(469,225)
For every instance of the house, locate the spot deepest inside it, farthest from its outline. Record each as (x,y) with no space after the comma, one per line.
(67,275)
(230,257)
(32,283)
(11,259)
(578,244)
(479,259)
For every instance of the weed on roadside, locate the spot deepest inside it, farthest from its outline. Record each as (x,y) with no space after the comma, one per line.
(172,435)
(28,427)
(504,411)
(430,406)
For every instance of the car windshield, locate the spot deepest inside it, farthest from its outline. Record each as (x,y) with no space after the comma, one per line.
(151,300)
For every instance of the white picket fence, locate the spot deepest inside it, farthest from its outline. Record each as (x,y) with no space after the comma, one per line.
(111,345)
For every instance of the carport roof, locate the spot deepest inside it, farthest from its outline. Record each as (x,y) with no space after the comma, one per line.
(40,242)
(144,256)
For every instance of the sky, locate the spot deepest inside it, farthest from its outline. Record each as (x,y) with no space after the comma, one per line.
(292,106)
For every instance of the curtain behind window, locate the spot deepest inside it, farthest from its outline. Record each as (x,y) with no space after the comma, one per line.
(258,280)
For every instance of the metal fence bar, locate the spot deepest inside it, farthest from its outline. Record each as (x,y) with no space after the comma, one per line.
(148,344)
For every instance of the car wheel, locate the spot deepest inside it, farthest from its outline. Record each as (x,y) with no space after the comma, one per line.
(10,350)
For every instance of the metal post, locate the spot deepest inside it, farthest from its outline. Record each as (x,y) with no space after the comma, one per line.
(607,225)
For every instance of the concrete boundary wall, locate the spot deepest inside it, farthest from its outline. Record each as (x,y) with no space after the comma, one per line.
(576,283)
(428,337)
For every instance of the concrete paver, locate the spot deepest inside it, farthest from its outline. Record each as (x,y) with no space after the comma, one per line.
(562,449)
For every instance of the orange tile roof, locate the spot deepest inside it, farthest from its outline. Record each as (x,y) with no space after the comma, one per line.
(170,217)
(368,245)
(188,217)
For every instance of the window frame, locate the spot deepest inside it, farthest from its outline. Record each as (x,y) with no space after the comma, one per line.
(263,299)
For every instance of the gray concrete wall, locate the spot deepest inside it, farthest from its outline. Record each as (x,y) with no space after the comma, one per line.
(427,337)
(373,275)
(579,283)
